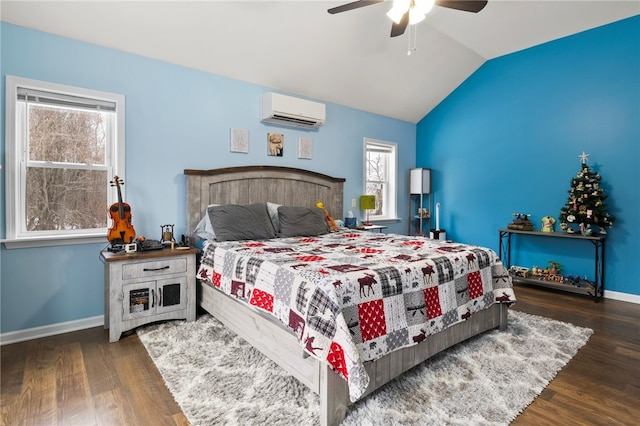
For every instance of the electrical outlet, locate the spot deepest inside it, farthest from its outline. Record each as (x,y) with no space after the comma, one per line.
(354,203)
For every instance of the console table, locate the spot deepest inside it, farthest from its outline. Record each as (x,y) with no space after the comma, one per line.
(596,240)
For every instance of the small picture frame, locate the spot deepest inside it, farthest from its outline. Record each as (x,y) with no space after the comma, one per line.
(305,148)
(275,144)
(239,140)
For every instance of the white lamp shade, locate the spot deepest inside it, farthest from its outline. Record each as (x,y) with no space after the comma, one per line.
(420,181)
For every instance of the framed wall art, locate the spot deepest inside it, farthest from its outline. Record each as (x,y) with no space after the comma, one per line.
(240,140)
(305,148)
(275,144)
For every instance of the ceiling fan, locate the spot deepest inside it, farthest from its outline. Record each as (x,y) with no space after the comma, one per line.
(410,12)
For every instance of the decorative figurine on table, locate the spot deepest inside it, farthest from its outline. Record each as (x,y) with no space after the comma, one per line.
(167,235)
(521,222)
(547,224)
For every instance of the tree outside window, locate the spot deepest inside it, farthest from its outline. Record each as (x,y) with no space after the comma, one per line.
(380,177)
(66,175)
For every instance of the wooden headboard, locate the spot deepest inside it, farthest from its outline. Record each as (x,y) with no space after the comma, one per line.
(261,184)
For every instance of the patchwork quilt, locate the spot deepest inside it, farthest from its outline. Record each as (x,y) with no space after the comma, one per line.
(354,296)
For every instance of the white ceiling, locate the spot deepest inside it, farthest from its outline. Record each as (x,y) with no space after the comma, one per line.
(297,47)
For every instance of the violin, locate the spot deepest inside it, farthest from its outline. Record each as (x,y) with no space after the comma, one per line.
(121,231)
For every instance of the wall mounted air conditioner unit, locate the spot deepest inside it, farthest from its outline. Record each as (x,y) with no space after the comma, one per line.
(289,111)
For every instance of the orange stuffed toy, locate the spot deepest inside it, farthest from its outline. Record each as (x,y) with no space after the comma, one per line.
(330,222)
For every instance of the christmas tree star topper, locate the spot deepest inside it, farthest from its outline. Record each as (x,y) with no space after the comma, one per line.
(584,157)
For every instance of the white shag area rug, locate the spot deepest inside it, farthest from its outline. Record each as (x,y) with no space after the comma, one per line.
(218,379)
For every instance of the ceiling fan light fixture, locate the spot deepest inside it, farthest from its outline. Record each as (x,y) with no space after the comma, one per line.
(422,6)
(415,16)
(407,13)
(398,10)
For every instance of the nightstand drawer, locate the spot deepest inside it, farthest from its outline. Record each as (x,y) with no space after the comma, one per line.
(153,269)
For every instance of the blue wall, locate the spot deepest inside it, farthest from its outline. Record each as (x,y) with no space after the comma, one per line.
(508,139)
(176,118)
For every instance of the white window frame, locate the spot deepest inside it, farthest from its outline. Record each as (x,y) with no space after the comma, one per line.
(15,160)
(390,212)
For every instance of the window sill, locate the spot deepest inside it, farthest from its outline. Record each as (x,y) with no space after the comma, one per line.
(384,220)
(65,240)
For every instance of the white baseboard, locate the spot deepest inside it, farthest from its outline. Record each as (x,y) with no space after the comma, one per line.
(50,330)
(624,297)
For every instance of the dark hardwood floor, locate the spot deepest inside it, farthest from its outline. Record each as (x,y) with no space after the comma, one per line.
(80,378)
(601,384)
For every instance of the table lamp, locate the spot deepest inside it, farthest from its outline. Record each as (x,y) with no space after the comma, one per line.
(367,202)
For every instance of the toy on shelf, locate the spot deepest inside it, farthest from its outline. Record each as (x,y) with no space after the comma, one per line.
(551,273)
(580,282)
(521,222)
(547,224)
(519,271)
(423,213)
(554,267)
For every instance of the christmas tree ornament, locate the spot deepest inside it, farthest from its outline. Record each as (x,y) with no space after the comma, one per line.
(585,205)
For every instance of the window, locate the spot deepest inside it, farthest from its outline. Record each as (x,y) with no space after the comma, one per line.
(381,177)
(63,146)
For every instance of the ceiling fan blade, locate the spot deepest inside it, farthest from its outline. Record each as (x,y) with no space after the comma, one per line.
(398,29)
(353,5)
(474,6)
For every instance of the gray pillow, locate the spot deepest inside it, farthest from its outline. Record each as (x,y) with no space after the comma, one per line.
(233,222)
(302,221)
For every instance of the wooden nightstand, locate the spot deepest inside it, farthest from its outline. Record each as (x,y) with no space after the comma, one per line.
(143,287)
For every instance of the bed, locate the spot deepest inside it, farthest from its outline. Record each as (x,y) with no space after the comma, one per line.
(343,312)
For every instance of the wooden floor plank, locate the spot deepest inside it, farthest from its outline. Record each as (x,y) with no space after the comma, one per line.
(37,402)
(73,397)
(144,391)
(179,419)
(112,408)
(99,365)
(117,383)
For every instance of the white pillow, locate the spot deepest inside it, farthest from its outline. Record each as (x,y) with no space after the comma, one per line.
(272,208)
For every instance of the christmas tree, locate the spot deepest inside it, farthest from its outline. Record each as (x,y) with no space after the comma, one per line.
(586,206)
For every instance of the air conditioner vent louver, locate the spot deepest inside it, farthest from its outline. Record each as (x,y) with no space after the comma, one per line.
(294,120)
(289,111)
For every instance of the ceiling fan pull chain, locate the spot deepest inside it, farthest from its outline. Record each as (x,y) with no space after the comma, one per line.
(412,40)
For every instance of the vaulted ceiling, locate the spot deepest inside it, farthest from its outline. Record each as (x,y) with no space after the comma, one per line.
(297,47)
